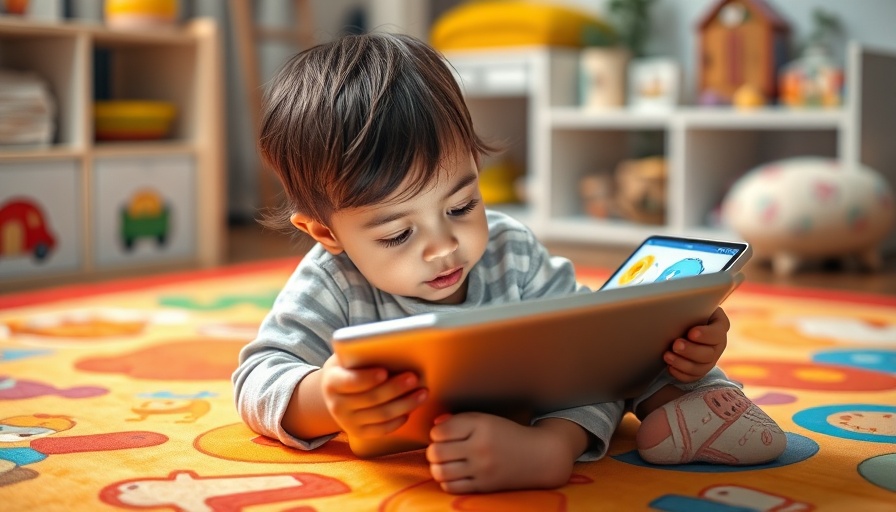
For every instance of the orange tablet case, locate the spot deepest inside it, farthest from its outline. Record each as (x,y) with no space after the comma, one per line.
(518,360)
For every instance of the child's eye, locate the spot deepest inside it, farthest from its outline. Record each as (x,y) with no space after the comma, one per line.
(396,240)
(465,209)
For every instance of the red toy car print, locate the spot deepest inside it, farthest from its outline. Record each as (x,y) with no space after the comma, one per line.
(23,229)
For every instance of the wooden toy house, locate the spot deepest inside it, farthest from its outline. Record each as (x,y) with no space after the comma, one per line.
(741,42)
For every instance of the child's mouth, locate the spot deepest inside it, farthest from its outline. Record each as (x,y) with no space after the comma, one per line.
(446,280)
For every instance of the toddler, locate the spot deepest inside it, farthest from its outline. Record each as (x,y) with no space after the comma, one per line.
(375,149)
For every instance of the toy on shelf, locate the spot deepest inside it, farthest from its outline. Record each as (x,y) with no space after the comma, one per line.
(605,62)
(133,119)
(653,84)
(602,72)
(596,191)
(492,23)
(28,111)
(17,7)
(498,182)
(741,42)
(641,189)
(748,97)
(141,14)
(814,79)
(805,209)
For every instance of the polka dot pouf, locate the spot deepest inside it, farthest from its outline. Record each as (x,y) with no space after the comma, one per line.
(811,208)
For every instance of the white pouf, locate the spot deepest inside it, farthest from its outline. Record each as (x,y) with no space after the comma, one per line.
(811,208)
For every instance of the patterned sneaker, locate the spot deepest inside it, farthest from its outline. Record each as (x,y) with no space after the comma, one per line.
(717,425)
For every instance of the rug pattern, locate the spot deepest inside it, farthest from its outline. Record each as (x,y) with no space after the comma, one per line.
(117,397)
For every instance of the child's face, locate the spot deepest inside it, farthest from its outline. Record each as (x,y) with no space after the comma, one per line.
(425,245)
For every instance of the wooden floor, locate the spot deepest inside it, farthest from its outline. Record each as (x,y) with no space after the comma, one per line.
(250,242)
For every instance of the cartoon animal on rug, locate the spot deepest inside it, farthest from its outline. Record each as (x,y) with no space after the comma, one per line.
(191,410)
(32,426)
(187,491)
(730,497)
(13,458)
(20,389)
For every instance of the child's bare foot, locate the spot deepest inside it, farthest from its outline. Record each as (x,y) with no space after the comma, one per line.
(717,425)
(473,452)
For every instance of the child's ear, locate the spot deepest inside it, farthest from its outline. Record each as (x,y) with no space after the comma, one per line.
(317,231)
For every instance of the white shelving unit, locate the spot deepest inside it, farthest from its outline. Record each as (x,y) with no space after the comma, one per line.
(707,149)
(80,186)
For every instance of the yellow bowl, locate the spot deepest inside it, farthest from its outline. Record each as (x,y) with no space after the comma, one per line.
(133,120)
(141,14)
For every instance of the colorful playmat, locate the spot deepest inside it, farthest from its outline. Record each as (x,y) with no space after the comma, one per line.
(117,397)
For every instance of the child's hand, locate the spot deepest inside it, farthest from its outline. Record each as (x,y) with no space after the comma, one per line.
(367,402)
(476,452)
(692,358)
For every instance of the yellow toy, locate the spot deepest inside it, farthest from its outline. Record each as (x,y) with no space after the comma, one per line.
(489,24)
(497,183)
(141,14)
(748,97)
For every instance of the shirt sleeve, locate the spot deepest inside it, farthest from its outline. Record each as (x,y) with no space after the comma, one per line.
(293,341)
(547,276)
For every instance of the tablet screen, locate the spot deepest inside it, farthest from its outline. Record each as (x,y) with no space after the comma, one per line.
(660,258)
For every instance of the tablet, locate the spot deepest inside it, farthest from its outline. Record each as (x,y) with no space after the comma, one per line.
(661,258)
(523,359)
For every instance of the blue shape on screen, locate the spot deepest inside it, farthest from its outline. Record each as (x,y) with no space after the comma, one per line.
(683,268)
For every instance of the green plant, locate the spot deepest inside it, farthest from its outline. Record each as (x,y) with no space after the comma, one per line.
(631,18)
(826,28)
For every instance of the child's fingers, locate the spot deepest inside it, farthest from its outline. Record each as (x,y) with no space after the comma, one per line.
(450,474)
(379,393)
(444,453)
(447,454)
(346,381)
(447,449)
(455,428)
(371,430)
(388,411)
(715,328)
(695,352)
(720,318)
(452,471)
(374,383)
(686,367)
(460,486)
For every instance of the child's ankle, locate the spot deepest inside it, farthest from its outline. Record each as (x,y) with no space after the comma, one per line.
(663,396)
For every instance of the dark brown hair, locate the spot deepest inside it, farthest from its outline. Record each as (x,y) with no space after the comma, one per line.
(346,122)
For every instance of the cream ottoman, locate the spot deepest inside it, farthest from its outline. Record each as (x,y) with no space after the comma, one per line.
(810,208)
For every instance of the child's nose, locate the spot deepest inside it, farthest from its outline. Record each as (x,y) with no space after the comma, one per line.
(440,245)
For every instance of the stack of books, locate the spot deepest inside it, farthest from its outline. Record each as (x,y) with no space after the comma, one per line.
(27,109)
